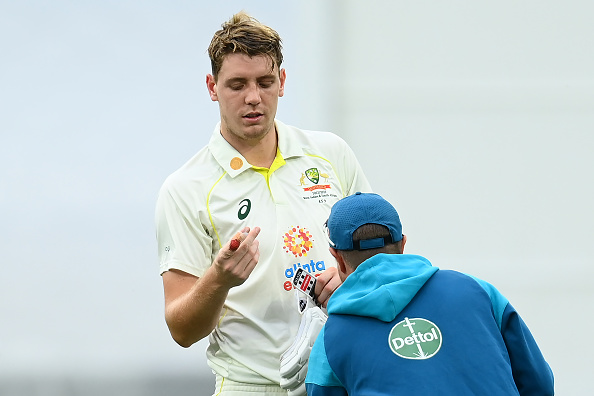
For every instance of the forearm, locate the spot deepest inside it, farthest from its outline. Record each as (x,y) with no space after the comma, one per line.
(193,305)
(193,315)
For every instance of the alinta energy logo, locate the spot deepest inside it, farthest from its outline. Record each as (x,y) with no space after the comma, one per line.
(415,338)
(297,241)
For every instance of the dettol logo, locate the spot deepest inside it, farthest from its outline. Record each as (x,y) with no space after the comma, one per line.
(415,338)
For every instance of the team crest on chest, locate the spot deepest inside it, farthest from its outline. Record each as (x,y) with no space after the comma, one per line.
(315,183)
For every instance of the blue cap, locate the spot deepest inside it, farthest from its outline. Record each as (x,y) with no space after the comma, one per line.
(352,212)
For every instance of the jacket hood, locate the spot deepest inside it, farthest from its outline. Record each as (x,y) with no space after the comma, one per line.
(381,286)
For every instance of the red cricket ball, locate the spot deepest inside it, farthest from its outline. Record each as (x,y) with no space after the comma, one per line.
(234,244)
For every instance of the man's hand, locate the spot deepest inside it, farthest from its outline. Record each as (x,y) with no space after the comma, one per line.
(326,284)
(234,264)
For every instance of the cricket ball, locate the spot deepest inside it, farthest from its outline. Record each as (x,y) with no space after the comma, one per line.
(234,244)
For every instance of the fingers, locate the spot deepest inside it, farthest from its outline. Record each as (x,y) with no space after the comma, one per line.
(238,258)
(248,252)
(237,239)
(326,284)
(253,256)
(228,250)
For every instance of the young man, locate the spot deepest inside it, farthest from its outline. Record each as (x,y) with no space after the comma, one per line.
(398,325)
(264,184)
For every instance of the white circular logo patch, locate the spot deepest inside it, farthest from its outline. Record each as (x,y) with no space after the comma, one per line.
(415,339)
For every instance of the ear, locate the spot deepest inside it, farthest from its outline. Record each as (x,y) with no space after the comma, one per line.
(341,264)
(403,243)
(211,85)
(283,77)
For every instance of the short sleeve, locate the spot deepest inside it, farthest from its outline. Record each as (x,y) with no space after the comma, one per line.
(182,241)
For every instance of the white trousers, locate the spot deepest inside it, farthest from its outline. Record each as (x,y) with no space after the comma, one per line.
(226,387)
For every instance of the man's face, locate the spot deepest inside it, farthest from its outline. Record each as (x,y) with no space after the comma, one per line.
(247,91)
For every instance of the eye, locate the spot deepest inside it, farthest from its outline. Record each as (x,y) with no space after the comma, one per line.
(266,83)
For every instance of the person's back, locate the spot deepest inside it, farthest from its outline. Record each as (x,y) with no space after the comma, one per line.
(398,325)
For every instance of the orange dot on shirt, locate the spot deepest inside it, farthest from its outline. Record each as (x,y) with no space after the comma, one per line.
(236,163)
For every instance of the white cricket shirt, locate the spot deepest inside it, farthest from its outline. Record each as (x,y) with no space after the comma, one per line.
(217,193)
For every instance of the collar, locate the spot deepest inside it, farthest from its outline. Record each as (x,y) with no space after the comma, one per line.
(234,163)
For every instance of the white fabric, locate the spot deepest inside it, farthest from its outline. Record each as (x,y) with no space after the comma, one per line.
(227,387)
(201,206)
(293,362)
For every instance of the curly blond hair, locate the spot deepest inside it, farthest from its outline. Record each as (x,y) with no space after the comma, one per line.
(246,35)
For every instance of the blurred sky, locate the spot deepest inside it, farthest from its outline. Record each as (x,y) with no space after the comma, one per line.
(475,119)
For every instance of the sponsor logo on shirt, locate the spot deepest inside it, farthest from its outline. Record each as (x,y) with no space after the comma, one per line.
(313,267)
(315,185)
(298,241)
(244,209)
(415,338)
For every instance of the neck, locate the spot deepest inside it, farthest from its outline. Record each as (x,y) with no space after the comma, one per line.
(263,152)
(257,150)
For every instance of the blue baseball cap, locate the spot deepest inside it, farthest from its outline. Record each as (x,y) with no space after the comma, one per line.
(358,209)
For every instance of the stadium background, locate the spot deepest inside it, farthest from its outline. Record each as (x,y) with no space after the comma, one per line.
(474,118)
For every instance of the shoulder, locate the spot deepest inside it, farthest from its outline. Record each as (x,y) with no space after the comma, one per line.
(195,175)
(472,288)
(311,142)
(456,285)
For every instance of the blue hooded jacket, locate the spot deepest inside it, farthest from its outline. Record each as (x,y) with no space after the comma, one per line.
(398,325)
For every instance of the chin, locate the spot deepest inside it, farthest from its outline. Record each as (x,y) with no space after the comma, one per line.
(257,131)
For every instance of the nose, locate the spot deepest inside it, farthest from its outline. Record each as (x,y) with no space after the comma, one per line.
(252,96)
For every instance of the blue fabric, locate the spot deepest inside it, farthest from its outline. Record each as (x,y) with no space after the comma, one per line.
(381,286)
(532,374)
(350,213)
(498,302)
(486,349)
(319,360)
